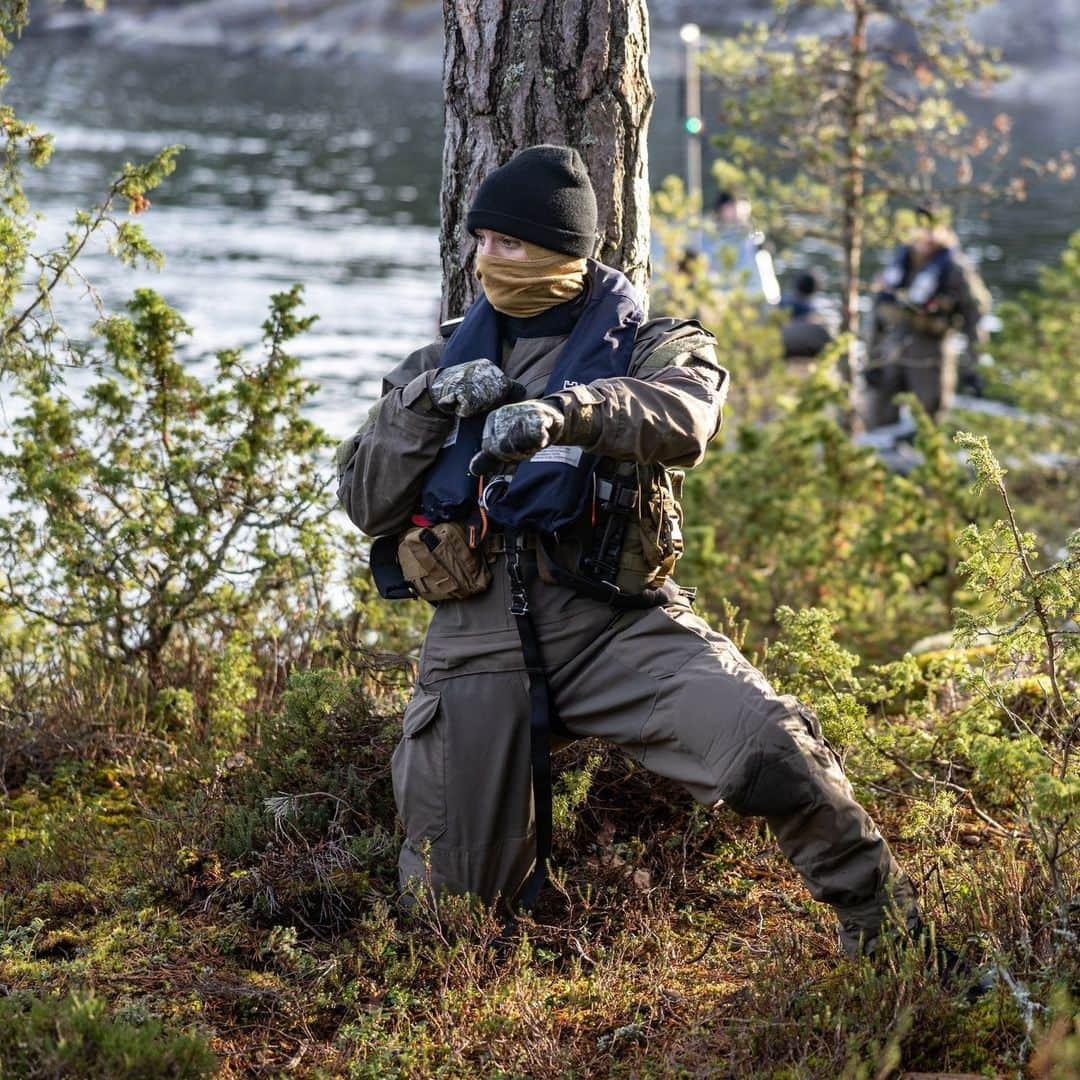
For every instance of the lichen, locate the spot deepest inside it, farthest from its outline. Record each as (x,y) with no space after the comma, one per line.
(513,74)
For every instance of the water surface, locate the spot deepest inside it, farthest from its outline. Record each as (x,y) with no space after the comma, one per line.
(328,174)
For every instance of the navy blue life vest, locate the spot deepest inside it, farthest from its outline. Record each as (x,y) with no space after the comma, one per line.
(551,489)
(918,289)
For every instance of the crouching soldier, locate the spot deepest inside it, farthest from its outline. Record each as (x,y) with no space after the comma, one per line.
(523,474)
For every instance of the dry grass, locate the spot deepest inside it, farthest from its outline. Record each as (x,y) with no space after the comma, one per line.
(674,942)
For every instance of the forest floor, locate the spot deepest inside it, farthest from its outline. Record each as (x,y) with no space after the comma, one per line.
(676,941)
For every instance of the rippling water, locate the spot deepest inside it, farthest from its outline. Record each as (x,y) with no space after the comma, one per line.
(328,174)
(292,173)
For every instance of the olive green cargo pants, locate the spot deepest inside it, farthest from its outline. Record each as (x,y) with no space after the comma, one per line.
(908,364)
(677,697)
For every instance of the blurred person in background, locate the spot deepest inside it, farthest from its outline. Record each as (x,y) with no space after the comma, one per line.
(736,250)
(810,326)
(927,292)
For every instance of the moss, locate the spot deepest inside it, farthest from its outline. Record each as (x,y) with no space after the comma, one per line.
(75,1036)
(62,944)
(61,899)
(611,979)
(513,74)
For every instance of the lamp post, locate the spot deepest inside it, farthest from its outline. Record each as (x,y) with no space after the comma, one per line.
(690,35)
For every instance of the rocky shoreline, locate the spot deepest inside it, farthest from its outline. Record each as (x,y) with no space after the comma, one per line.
(406,35)
(404,38)
(394,35)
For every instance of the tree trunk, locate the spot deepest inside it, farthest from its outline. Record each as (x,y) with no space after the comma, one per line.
(521,72)
(854,181)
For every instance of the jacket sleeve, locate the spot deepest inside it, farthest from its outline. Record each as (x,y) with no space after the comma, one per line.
(971,297)
(381,467)
(665,410)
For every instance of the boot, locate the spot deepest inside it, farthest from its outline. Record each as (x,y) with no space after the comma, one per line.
(954,972)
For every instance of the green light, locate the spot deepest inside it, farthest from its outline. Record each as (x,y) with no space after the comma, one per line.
(693,125)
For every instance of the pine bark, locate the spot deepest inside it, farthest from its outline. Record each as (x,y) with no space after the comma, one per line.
(854,181)
(521,72)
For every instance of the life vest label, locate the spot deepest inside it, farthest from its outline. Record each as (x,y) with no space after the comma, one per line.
(560,455)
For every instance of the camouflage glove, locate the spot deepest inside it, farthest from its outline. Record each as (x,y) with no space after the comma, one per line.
(516,432)
(343,455)
(468,389)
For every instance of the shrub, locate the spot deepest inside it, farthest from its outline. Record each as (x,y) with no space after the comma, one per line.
(1031,620)
(793,513)
(306,826)
(1036,370)
(168,501)
(75,1036)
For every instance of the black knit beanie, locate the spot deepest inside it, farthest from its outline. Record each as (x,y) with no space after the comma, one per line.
(543,195)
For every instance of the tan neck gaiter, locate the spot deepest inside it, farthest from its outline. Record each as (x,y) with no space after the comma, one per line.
(526,287)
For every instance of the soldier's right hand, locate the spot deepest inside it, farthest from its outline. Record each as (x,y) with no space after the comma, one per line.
(470,388)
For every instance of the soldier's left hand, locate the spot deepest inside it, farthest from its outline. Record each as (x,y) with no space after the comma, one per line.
(516,432)
(343,455)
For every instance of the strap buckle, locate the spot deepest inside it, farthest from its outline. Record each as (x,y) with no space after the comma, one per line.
(519,602)
(519,595)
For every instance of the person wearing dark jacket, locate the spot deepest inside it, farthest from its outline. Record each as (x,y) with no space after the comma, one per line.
(524,474)
(927,291)
(809,329)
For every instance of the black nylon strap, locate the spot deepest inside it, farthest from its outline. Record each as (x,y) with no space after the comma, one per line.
(604,591)
(543,716)
(542,720)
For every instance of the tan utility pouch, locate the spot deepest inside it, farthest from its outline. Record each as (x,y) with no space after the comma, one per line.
(439,564)
(661,521)
(654,545)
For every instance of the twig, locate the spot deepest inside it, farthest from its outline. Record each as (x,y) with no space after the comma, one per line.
(708,945)
(1012,834)
(1044,622)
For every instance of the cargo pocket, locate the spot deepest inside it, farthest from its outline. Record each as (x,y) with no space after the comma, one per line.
(813,725)
(661,521)
(418,768)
